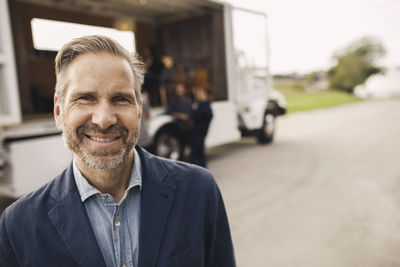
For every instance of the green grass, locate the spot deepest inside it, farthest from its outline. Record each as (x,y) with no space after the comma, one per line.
(298,99)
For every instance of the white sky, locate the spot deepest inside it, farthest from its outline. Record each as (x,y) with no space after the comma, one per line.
(304,34)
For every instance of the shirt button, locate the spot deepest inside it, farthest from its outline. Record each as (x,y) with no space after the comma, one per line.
(117,223)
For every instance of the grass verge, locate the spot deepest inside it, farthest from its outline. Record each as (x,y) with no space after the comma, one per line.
(299,99)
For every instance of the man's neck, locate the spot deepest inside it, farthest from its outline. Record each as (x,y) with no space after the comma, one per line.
(113,182)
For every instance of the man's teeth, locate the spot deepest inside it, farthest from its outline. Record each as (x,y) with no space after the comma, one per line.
(99,139)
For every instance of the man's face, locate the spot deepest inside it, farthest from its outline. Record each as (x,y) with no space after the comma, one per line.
(100,116)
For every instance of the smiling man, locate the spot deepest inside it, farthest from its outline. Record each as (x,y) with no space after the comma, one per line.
(116,204)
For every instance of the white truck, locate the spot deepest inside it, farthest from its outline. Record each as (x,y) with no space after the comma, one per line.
(206,42)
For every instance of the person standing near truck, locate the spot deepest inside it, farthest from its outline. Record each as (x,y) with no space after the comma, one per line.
(201,117)
(180,108)
(116,204)
(152,78)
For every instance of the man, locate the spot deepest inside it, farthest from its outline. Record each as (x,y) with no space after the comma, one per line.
(115,205)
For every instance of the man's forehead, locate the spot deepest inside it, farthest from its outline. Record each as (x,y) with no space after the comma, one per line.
(95,72)
(99,64)
(101,91)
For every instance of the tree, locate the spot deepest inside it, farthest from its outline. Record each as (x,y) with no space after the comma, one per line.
(355,63)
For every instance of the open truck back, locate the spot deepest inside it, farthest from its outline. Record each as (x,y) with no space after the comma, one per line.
(206,43)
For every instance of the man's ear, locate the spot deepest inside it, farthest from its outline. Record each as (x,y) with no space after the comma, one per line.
(58,114)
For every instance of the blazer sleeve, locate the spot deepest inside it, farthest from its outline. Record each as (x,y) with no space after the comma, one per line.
(218,242)
(7,256)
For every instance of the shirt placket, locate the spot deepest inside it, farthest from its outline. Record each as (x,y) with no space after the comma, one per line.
(121,237)
(126,254)
(114,213)
(116,234)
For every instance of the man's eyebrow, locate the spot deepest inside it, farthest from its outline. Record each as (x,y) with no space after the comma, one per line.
(118,93)
(80,93)
(125,94)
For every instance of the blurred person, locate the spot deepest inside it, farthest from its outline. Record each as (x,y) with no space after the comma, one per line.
(152,78)
(201,117)
(116,204)
(180,107)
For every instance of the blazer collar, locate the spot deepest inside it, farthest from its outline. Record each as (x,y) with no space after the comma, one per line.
(69,217)
(157,198)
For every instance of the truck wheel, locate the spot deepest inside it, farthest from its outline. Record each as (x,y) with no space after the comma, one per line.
(168,145)
(266,133)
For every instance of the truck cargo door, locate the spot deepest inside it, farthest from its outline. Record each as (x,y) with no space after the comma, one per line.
(251,52)
(251,56)
(9,99)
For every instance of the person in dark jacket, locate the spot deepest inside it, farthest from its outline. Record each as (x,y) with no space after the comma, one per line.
(180,107)
(201,118)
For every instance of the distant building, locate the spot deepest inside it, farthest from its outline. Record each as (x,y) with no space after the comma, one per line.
(319,81)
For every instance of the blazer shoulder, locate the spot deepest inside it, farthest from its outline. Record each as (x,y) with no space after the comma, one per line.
(191,178)
(172,171)
(180,170)
(33,203)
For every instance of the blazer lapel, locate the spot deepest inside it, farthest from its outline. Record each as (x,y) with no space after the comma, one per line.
(157,198)
(69,218)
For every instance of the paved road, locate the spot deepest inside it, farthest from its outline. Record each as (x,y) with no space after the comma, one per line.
(326,193)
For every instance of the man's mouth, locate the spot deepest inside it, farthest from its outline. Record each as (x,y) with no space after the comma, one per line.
(102,139)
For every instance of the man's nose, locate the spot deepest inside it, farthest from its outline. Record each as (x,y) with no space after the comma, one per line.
(104,115)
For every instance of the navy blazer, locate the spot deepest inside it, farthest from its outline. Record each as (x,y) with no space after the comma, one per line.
(183,222)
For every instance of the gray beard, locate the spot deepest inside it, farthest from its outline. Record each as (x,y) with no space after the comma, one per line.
(93,163)
(94,160)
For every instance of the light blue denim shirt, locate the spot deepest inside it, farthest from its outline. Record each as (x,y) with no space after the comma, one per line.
(115,225)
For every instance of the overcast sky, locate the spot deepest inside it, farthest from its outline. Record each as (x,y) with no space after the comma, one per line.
(304,34)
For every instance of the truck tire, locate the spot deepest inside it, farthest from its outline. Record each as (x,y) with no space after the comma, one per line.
(266,133)
(168,145)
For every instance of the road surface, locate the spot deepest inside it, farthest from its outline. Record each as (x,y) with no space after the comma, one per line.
(325,193)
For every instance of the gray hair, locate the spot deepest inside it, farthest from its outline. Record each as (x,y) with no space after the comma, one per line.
(94,44)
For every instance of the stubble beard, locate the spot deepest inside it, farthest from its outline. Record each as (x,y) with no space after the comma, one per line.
(100,159)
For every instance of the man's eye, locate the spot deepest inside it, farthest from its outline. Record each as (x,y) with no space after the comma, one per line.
(84,98)
(122,99)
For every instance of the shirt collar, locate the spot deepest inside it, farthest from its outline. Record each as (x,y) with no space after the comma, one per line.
(87,190)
